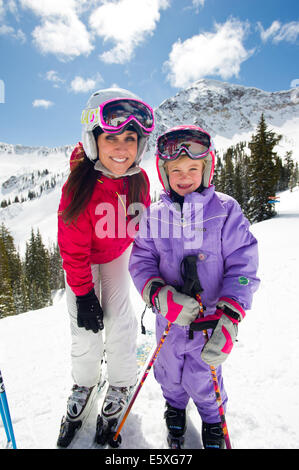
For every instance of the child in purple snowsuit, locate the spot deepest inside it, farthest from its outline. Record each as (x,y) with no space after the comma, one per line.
(192,219)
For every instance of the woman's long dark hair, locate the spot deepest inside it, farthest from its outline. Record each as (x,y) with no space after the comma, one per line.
(81,183)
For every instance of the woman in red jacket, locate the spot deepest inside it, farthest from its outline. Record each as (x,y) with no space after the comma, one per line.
(96,224)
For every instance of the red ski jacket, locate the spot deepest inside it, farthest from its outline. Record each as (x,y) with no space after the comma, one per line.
(102,232)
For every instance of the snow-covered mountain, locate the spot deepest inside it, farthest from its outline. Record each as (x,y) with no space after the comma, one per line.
(34,175)
(230,113)
(18,149)
(260,375)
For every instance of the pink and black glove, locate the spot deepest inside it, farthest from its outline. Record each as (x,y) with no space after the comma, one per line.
(224,323)
(175,307)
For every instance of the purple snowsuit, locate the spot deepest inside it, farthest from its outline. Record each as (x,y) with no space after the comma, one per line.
(212,226)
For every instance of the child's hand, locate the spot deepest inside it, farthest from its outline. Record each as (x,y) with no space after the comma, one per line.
(225,329)
(175,307)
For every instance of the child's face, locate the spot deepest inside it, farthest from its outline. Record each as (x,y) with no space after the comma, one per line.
(184,175)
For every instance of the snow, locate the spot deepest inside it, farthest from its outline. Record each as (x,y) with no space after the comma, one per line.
(261,374)
(40,212)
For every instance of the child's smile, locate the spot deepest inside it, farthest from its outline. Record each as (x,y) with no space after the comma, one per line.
(184,175)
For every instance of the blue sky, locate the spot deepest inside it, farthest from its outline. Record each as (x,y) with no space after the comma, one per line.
(55,53)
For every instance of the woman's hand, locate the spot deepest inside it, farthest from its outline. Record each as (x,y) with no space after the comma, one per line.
(90,313)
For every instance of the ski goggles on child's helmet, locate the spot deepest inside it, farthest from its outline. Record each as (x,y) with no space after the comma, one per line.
(195,142)
(113,115)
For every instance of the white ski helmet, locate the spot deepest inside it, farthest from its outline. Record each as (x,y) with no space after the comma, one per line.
(208,172)
(88,138)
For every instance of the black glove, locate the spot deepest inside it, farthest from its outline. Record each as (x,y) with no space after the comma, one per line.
(90,313)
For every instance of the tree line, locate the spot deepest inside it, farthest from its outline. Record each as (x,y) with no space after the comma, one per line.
(26,284)
(253,173)
(31,180)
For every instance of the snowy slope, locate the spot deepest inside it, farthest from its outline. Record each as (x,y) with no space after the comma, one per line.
(40,212)
(261,376)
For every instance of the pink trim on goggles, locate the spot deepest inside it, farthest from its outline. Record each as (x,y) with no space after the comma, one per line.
(143,109)
(176,154)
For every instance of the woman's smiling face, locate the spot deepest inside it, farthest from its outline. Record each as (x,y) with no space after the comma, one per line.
(118,152)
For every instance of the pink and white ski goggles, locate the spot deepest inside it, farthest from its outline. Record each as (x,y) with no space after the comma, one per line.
(194,141)
(114,114)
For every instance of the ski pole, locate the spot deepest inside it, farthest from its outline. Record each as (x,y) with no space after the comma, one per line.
(193,287)
(142,380)
(216,384)
(5,415)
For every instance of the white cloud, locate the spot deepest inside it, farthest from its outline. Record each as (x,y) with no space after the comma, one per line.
(288,32)
(6,29)
(278,32)
(83,85)
(45,8)
(198,3)
(42,104)
(266,34)
(12,7)
(61,32)
(2,10)
(219,53)
(52,76)
(125,23)
(67,38)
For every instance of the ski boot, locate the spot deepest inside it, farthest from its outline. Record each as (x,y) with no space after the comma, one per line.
(114,405)
(176,425)
(105,432)
(212,436)
(79,405)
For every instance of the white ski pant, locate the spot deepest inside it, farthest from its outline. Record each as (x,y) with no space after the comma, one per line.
(112,287)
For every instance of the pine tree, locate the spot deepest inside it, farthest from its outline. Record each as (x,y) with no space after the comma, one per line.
(242,193)
(21,294)
(7,304)
(294,177)
(14,260)
(283,179)
(56,270)
(263,174)
(229,173)
(15,270)
(37,272)
(218,179)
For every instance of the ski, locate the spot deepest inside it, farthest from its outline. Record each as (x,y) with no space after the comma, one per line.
(105,431)
(67,431)
(69,428)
